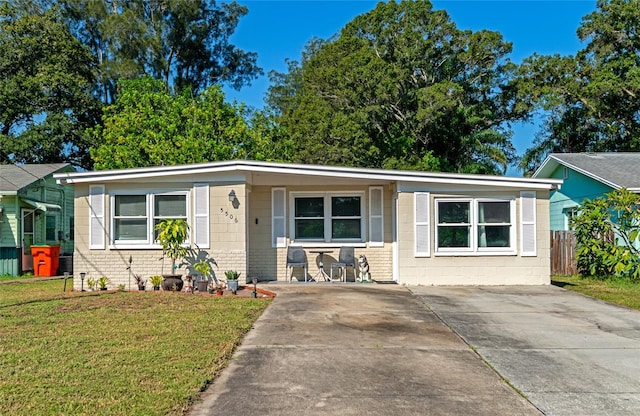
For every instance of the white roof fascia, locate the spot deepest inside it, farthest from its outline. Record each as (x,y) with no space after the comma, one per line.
(577,169)
(308,170)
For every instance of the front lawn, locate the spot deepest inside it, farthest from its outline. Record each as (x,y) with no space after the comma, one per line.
(5,277)
(114,353)
(615,290)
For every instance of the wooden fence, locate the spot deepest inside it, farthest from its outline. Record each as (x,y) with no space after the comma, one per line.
(563,253)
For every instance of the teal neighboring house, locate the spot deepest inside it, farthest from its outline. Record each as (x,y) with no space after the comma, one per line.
(586,176)
(34,210)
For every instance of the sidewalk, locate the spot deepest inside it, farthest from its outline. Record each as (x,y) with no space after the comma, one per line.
(356,350)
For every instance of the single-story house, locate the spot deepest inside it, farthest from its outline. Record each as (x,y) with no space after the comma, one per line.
(34,209)
(415,228)
(586,176)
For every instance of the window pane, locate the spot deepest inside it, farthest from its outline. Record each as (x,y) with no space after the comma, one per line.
(499,212)
(345,206)
(494,236)
(453,212)
(310,207)
(50,231)
(130,229)
(346,229)
(453,236)
(310,229)
(170,206)
(131,205)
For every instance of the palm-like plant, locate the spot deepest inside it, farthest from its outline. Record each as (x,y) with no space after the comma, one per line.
(172,234)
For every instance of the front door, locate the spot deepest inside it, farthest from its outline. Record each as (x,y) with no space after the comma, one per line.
(27,234)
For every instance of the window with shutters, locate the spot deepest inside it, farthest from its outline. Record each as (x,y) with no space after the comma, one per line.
(135,215)
(475,226)
(327,217)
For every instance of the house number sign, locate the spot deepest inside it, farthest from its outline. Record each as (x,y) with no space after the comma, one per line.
(230,216)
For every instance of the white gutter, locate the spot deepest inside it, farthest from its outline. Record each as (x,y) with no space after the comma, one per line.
(307,170)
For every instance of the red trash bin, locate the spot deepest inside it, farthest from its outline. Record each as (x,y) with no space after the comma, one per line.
(45,260)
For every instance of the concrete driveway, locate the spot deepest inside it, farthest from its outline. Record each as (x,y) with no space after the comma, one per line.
(351,349)
(568,354)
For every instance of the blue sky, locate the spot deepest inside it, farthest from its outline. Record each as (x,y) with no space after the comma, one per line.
(279,30)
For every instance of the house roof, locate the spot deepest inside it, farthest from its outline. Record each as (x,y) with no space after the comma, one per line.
(14,178)
(317,171)
(617,170)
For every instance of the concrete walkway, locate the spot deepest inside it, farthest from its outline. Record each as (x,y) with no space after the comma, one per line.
(356,350)
(567,353)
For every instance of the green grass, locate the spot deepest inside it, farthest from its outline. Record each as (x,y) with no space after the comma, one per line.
(5,277)
(113,353)
(621,291)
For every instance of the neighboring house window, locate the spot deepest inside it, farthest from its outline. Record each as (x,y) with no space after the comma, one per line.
(50,228)
(327,217)
(134,216)
(72,228)
(468,226)
(569,213)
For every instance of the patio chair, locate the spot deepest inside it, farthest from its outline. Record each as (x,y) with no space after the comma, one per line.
(346,258)
(296,257)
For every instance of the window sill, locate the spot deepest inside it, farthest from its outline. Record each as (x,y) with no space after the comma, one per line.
(134,247)
(318,244)
(474,254)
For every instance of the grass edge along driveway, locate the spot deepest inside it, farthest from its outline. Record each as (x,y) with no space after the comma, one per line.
(624,292)
(114,353)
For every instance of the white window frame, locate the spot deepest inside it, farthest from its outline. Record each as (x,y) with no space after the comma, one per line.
(474,249)
(328,219)
(149,242)
(568,213)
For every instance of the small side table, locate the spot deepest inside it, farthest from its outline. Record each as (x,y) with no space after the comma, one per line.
(321,272)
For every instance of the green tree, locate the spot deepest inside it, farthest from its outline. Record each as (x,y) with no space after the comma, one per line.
(607,231)
(185,43)
(147,125)
(401,87)
(591,99)
(46,78)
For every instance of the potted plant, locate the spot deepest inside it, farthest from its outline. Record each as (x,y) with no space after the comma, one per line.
(156,281)
(140,282)
(172,234)
(103,282)
(204,269)
(232,280)
(91,284)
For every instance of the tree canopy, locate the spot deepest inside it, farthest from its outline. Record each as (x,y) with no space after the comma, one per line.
(591,99)
(401,87)
(46,79)
(147,125)
(185,43)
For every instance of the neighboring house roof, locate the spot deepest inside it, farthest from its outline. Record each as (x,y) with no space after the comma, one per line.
(254,167)
(617,170)
(14,178)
